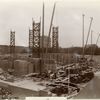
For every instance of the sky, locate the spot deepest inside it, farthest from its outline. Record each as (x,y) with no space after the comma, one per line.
(17,15)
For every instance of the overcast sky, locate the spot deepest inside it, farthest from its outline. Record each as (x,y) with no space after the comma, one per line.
(17,15)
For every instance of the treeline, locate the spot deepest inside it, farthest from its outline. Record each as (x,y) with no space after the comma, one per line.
(79,50)
(94,49)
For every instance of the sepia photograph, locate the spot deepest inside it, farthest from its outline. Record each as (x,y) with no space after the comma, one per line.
(49,49)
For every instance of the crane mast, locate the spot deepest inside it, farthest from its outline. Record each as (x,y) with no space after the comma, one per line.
(88,32)
(50,28)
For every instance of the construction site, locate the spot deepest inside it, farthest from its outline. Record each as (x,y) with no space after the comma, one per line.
(43,68)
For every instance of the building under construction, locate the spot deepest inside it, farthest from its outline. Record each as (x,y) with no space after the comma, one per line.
(45,69)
